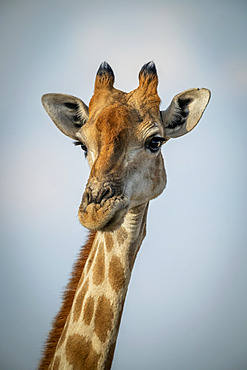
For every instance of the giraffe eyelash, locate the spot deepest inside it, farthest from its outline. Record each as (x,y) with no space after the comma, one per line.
(83,147)
(76,143)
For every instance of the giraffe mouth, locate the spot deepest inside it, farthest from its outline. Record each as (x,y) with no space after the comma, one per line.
(106,216)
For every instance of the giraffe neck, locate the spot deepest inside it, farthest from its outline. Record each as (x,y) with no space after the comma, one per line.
(90,333)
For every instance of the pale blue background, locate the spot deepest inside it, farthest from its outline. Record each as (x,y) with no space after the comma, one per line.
(187,303)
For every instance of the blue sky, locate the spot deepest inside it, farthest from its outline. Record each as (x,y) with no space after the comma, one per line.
(187,300)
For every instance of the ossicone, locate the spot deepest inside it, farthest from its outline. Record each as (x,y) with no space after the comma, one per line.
(148,69)
(104,77)
(148,78)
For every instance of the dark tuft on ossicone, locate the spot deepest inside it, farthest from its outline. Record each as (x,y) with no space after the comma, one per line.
(148,68)
(105,68)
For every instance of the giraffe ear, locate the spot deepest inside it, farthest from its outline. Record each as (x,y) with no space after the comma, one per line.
(184,112)
(67,112)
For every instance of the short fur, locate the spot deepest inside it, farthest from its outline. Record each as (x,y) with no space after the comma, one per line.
(68,297)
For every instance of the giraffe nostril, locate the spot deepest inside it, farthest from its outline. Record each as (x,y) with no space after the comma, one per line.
(101,196)
(105,193)
(87,198)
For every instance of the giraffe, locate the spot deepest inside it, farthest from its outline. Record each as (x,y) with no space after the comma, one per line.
(121,135)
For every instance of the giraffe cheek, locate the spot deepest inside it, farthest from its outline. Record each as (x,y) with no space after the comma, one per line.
(158,178)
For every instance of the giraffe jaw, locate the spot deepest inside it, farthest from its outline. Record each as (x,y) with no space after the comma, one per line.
(106,217)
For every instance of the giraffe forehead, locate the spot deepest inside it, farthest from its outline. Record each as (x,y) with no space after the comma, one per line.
(115,121)
(121,124)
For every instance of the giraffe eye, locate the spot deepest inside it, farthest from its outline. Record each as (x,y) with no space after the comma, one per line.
(154,143)
(83,146)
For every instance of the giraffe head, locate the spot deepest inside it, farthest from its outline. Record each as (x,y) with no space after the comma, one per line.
(121,135)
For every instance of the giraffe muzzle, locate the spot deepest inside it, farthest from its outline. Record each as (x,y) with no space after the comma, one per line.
(99,197)
(103,208)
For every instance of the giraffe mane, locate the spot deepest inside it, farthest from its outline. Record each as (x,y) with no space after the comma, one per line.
(67,301)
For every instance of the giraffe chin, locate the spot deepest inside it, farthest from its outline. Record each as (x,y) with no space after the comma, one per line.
(106,217)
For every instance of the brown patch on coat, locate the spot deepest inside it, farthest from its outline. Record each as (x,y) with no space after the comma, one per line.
(88,310)
(80,353)
(103,318)
(108,241)
(68,297)
(79,301)
(99,266)
(116,274)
